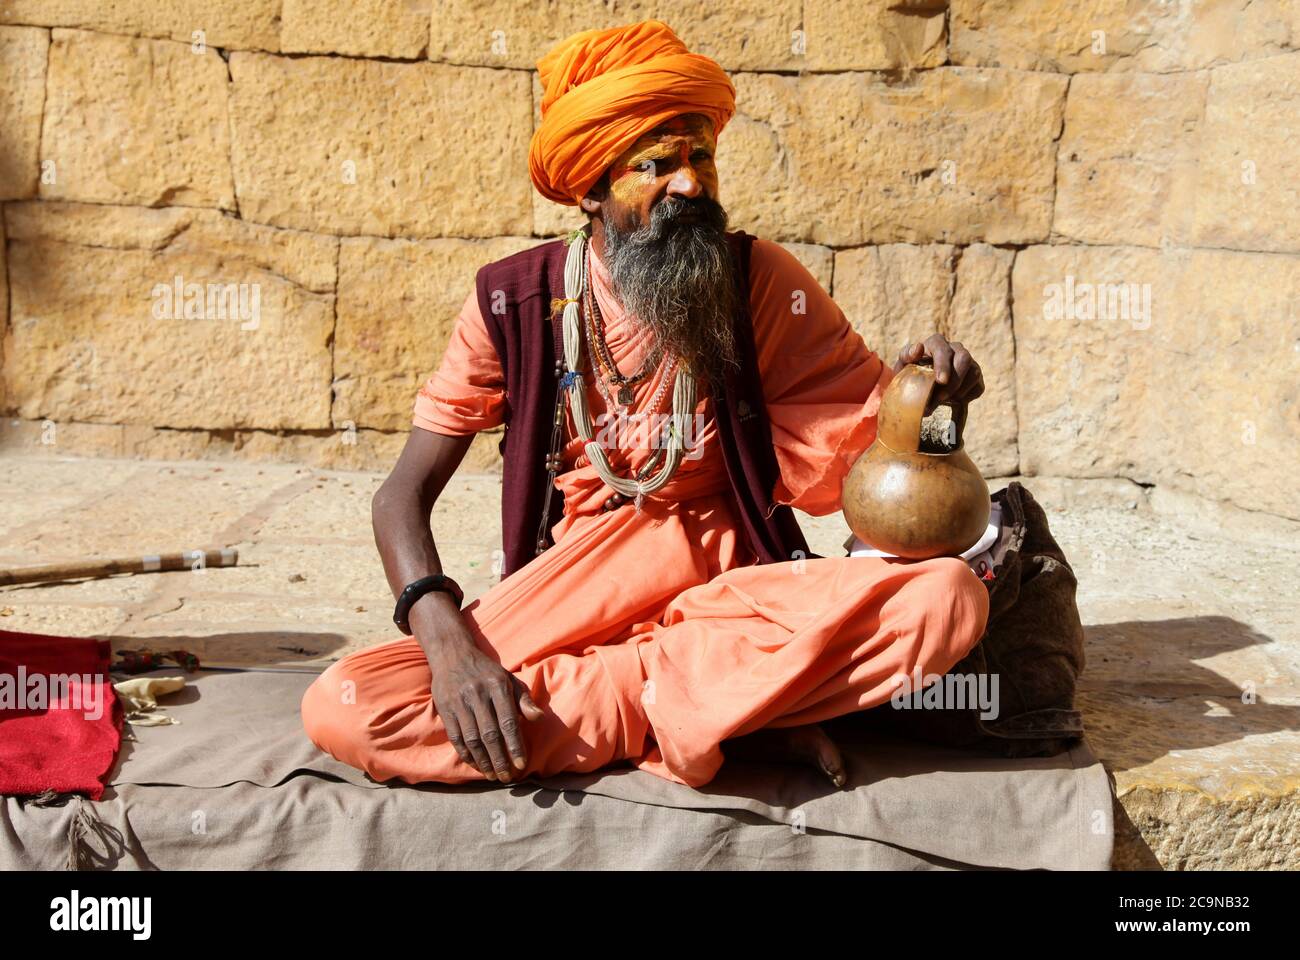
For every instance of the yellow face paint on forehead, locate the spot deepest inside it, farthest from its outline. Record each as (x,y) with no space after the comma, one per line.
(631,176)
(653,145)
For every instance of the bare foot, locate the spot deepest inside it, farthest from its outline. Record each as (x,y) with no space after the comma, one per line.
(808,745)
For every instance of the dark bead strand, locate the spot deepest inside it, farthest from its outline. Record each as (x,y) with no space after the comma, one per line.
(554,461)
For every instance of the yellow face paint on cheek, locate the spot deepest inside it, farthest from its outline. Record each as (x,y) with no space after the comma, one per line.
(630,188)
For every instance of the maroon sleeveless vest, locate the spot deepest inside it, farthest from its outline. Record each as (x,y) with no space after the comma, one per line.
(514,296)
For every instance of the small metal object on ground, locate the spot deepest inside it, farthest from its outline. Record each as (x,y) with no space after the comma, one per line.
(149,563)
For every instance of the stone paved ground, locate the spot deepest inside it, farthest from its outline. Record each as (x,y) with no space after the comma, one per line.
(1191,693)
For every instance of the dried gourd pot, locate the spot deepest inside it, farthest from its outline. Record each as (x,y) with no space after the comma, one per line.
(907,502)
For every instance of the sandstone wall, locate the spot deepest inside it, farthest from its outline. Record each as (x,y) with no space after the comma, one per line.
(1097,197)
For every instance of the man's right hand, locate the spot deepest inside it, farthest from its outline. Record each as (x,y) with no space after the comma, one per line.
(478,700)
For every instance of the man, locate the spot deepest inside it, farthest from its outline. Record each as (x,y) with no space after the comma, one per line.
(672,607)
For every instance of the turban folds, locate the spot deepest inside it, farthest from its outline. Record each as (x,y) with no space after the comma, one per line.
(603,89)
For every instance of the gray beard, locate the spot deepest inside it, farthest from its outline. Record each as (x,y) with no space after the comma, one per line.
(675,276)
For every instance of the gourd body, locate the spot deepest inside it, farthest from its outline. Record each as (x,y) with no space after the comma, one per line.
(910,503)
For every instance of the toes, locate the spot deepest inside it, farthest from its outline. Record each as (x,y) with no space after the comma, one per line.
(808,745)
(813,745)
(830,759)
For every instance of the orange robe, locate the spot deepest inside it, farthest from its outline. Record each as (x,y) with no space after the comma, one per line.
(654,636)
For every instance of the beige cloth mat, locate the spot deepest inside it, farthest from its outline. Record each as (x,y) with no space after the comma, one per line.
(237,785)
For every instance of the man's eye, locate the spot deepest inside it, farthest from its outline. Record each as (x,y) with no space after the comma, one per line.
(704,156)
(646,166)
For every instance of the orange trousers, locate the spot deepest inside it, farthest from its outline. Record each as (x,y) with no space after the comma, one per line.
(661,683)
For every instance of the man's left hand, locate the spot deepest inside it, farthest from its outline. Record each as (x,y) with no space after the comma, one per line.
(957,376)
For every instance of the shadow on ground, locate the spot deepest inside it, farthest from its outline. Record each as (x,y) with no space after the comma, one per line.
(241,648)
(1146,691)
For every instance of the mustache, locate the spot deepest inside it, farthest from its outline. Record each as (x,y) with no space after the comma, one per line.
(674,212)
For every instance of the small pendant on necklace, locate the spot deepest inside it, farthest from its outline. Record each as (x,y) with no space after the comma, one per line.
(625,396)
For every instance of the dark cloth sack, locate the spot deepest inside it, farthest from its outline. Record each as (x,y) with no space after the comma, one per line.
(1033,643)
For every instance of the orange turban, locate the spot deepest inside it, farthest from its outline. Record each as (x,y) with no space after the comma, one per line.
(603,89)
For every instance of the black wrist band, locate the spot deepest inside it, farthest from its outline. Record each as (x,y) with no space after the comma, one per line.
(414,591)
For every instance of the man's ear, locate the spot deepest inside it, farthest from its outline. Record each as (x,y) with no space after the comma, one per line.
(591,203)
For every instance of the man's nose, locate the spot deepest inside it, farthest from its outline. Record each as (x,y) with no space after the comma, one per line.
(685,183)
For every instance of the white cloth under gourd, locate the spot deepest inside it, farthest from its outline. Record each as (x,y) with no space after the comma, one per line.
(979,555)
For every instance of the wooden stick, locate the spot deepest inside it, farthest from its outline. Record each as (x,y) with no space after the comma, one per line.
(150,563)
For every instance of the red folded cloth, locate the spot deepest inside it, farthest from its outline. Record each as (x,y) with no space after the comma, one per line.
(60,719)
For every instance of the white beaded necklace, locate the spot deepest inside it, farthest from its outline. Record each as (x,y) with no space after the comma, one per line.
(683,390)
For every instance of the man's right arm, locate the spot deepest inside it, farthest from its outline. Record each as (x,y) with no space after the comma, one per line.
(477,699)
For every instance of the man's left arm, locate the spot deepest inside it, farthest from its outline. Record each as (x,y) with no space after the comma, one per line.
(822,384)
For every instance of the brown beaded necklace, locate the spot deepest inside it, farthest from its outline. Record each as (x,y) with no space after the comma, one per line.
(600,348)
